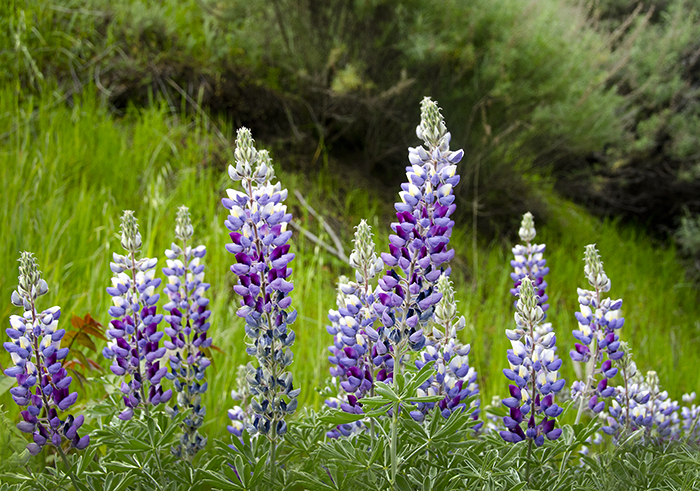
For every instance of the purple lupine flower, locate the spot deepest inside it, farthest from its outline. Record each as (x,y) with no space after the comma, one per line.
(419,248)
(360,354)
(597,334)
(690,415)
(454,379)
(240,414)
(529,262)
(533,369)
(259,235)
(43,385)
(647,407)
(134,335)
(189,322)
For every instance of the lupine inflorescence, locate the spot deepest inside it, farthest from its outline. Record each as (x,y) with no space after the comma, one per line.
(533,368)
(419,248)
(189,322)
(360,353)
(134,331)
(599,322)
(454,379)
(43,385)
(240,413)
(529,262)
(258,228)
(641,404)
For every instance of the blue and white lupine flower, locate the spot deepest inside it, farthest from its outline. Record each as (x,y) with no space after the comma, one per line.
(454,379)
(529,262)
(360,354)
(419,249)
(690,415)
(624,415)
(189,323)
(599,320)
(43,385)
(534,371)
(258,224)
(240,414)
(134,337)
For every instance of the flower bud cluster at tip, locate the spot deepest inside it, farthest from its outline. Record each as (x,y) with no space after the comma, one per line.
(593,269)
(598,320)
(534,369)
(188,318)
(183,224)
(131,238)
(419,247)
(529,262)
(43,384)
(454,378)
(257,223)
(432,129)
(133,333)
(251,164)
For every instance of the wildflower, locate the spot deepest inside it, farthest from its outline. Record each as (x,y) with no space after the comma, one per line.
(529,262)
(258,224)
(690,415)
(134,335)
(240,414)
(419,248)
(43,385)
(189,322)
(598,321)
(454,378)
(360,354)
(533,368)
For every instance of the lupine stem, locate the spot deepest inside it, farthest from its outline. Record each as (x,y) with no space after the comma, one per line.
(74,479)
(273,457)
(394,424)
(527,464)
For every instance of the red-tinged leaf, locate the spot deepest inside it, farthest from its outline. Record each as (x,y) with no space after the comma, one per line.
(77,322)
(94,332)
(84,340)
(93,365)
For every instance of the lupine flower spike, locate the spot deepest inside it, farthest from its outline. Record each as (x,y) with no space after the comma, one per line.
(419,249)
(134,334)
(360,353)
(599,322)
(189,322)
(529,262)
(43,385)
(259,235)
(690,415)
(454,379)
(240,414)
(533,369)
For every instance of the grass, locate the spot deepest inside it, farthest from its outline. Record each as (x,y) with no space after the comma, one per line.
(67,172)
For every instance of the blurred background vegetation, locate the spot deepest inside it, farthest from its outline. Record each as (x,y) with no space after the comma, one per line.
(586,113)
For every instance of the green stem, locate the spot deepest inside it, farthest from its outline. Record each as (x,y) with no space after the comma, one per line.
(273,458)
(527,464)
(72,476)
(395,421)
(394,441)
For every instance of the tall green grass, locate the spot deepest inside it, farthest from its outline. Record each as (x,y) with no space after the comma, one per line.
(67,172)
